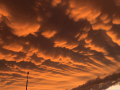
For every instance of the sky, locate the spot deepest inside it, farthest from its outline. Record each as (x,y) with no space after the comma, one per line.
(116,87)
(61,43)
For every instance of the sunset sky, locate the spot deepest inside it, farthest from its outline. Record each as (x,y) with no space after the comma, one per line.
(61,43)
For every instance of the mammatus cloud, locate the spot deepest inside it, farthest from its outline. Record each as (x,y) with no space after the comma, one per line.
(62,43)
(48,34)
(14,18)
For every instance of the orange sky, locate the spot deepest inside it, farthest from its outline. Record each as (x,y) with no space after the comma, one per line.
(62,43)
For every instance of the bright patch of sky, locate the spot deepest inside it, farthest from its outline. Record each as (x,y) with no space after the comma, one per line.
(115,87)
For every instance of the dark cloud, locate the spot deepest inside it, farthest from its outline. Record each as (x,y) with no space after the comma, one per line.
(99,84)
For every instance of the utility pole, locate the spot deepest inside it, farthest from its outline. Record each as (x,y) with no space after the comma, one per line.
(27,80)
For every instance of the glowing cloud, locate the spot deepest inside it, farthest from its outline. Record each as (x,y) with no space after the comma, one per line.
(13,47)
(49,34)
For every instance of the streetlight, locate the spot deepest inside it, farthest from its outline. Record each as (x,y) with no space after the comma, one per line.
(27,80)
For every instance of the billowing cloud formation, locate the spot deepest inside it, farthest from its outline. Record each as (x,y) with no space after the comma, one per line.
(62,43)
(15,17)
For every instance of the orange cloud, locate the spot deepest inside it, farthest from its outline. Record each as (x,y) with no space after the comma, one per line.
(77,35)
(96,48)
(116,19)
(88,40)
(99,25)
(23,29)
(103,17)
(83,36)
(48,34)
(8,57)
(65,44)
(89,11)
(13,47)
(55,2)
(113,36)
(97,61)
(4,11)
(112,60)
(83,10)
(20,26)
(106,20)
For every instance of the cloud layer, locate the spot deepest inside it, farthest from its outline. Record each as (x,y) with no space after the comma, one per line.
(62,43)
